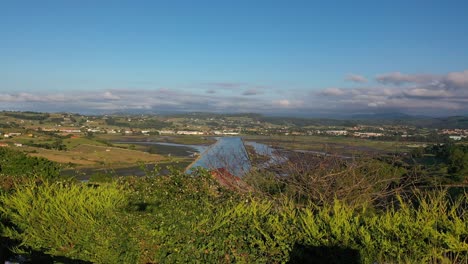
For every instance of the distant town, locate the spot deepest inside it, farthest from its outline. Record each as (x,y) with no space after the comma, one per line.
(16,126)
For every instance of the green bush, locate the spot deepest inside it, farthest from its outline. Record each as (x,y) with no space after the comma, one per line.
(169,209)
(101,177)
(251,231)
(16,163)
(191,218)
(431,230)
(71,220)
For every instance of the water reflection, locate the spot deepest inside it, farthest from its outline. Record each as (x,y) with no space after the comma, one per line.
(265,150)
(228,153)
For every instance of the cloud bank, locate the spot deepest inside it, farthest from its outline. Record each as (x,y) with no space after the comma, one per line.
(128,99)
(395,91)
(431,94)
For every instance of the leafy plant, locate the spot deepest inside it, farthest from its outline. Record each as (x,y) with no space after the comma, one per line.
(72,220)
(16,163)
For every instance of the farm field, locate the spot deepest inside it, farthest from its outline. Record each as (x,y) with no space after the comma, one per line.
(342,145)
(179,139)
(93,155)
(75,142)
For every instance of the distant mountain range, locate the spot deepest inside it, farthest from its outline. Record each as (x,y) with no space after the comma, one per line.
(375,119)
(384,118)
(391,115)
(418,121)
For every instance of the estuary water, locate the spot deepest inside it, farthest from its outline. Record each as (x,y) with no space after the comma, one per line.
(265,150)
(228,153)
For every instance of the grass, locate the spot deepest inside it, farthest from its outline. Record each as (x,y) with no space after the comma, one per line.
(89,155)
(74,142)
(128,170)
(26,139)
(344,145)
(179,139)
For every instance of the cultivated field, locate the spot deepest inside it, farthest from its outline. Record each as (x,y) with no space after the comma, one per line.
(179,139)
(91,155)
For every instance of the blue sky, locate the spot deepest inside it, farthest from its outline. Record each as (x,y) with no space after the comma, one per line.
(256,56)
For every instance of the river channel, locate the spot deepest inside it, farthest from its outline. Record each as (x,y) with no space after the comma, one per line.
(228,153)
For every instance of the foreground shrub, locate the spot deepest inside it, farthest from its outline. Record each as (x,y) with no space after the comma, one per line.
(16,163)
(307,178)
(170,210)
(191,218)
(251,231)
(71,220)
(430,230)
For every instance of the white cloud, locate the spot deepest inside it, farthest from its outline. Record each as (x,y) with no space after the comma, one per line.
(108,95)
(124,99)
(356,78)
(458,79)
(287,103)
(425,92)
(333,92)
(449,80)
(284,103)
(398,78)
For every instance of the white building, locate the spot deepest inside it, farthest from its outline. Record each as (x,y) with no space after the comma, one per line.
(166,132)
(367,134)
(457,137)
(337,132)
(184,132)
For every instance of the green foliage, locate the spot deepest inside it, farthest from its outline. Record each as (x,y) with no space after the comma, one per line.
(431,231)
(101,177)
(27,115)
(322,179)
(193,219)
(16,163)
(72,220)
(268,183)
(56,144)
(252,231)
(168,209)
(449,161)
(190,218)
